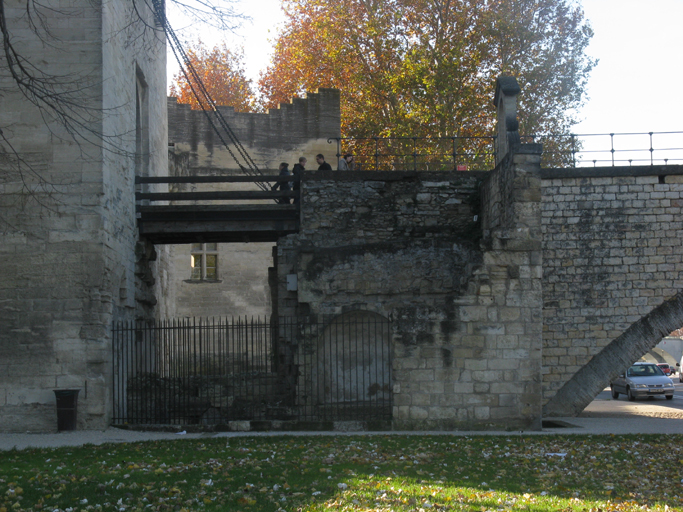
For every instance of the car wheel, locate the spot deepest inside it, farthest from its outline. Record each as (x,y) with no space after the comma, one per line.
(669,397)
(630,396)
(615,394)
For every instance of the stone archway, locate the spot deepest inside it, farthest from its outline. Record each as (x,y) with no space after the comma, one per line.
(637,340)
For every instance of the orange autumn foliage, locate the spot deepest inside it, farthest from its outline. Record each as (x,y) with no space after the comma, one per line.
(221,70)
(428,67)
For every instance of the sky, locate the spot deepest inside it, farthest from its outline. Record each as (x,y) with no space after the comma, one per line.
(632,90)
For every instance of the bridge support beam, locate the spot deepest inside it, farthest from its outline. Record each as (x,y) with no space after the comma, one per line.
(637,340)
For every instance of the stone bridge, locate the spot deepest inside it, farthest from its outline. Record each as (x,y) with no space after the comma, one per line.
(512,294)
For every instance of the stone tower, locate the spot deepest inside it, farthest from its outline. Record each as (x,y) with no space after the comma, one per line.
(72,262)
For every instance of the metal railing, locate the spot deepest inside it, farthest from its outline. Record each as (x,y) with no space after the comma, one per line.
(418,153)
(199,371)
(478,153)
(610,149)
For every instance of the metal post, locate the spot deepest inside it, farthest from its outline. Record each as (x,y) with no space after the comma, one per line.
(651,150)
(376,153)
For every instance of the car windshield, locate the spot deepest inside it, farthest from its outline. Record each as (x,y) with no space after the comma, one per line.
(644,370)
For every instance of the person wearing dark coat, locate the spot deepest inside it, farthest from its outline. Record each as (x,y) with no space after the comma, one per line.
(297,174)
(283,185)
(323,165)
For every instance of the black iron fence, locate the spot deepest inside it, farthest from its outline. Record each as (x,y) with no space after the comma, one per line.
(198,371)
(479,153)
(418,153)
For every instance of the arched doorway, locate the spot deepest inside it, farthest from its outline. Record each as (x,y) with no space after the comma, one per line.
(352,377)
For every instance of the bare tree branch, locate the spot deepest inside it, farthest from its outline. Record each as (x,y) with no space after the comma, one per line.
(68,103)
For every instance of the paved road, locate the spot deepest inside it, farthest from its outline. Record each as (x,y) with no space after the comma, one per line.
(654,406)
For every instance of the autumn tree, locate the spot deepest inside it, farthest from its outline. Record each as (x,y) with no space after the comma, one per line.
(428,67)
(222,73)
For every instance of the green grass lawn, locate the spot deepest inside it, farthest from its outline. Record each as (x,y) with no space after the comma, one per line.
(330,473)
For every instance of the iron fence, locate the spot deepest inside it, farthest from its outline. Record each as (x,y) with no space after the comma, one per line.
(479,153)
(610,149)
(199,371)
(418,153)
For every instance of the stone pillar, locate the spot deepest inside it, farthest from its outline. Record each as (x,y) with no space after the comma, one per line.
(511,223)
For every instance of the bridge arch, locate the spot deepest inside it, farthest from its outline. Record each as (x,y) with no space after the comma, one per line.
(618,355)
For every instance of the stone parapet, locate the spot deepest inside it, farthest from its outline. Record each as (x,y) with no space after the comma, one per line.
(299,128)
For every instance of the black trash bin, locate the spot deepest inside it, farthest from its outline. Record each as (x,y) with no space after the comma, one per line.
(67,403)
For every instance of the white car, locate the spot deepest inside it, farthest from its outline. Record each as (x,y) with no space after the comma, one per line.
(643,379)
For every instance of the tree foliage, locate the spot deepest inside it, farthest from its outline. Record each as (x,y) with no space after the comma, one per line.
(428,67)
(222,72)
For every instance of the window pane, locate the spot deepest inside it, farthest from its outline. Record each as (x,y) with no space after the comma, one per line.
(211,264)
(196,247)
(196,266)
(211,247)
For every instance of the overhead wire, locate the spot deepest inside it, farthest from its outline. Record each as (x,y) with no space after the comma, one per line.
(208,106)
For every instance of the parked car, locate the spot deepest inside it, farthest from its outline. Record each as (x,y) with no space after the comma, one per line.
(666,369)
(643,379)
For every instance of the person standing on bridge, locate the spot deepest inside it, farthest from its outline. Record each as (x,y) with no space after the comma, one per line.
(346,163)
(322,164)
(283,185)
(297,174)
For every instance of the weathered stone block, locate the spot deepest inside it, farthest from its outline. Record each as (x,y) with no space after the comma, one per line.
(482,413)
(418,413)
(441,413)
(422,375)
(436,387)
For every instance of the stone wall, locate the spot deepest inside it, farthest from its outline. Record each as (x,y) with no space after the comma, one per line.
(72,268)
(465,313)
(299,128)
(240,290)
(612,255)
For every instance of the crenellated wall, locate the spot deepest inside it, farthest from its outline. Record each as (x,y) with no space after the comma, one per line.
(299,128)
